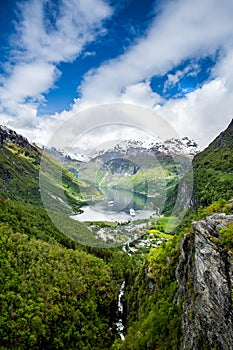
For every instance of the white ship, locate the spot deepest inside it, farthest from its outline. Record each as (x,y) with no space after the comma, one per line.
(132,212)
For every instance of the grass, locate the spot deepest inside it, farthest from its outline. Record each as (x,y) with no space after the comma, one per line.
(21,171)
(164,223)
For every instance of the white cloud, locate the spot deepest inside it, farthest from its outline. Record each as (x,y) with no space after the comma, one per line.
(173,79)
(45,36)
(28,79)
(183,29)
(28,116)
(75,24)
(141,94)
(203,113)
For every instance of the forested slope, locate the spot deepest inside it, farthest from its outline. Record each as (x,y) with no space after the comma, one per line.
(53,293)
(213,170)
(20,165)
(167,305)
(56,293)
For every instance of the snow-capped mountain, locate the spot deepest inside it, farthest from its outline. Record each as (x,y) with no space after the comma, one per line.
(145,144)
(61,155)
(183,146)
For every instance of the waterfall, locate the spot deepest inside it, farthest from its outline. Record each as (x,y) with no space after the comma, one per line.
(119,324)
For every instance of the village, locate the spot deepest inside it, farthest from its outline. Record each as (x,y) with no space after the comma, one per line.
(135,236)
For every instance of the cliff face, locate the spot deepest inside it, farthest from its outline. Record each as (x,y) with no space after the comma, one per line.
(205,277)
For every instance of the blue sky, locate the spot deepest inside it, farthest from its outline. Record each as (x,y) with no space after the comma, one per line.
(59,57)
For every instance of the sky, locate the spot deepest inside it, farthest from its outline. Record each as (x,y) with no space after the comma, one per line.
(61,57)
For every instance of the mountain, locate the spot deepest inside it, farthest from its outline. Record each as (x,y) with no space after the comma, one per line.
(212,173)
(56,293)
(213,170)
(20,166)
(205,281)
(183,293)
(151,167)
(183,146)
(181,297)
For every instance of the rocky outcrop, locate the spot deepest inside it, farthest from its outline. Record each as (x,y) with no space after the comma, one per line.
(8,135)
(204,274)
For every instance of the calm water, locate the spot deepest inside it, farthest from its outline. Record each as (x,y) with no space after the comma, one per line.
(116,207)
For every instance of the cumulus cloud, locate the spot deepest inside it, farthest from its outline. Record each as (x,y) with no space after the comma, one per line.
(173,79)
(60,34)
(183,29)
(28,79)
(141,94)
(46,34)
(207,110)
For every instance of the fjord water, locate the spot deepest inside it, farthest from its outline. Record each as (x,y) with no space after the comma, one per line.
(116,207)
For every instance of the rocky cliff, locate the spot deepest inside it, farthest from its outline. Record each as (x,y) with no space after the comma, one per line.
(204,274)
(10,136)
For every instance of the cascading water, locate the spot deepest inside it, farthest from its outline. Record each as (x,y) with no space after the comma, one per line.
(119,324)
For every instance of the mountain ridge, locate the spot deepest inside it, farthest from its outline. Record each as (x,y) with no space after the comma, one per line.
(182,146)
(213,170)
(20,169)
(172,298)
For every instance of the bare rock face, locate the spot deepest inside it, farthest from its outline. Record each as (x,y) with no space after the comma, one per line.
(205,277)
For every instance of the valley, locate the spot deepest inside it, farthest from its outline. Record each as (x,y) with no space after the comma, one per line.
(131,283)
(133,166)
(137,236)
(116,175)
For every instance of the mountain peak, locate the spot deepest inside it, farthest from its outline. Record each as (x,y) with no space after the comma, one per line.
(225,138)
(183,146)
(9,135)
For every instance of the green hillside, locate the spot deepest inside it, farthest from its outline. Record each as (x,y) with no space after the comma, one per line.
(20,164)
(54,294)
(52,297)
(213,170)
(58,294)
(154,320)
(19,171)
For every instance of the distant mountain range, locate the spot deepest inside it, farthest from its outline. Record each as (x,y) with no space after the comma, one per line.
(183,146)
(213,167)
(149,167)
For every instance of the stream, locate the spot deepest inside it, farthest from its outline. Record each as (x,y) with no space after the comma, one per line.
(119,324)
